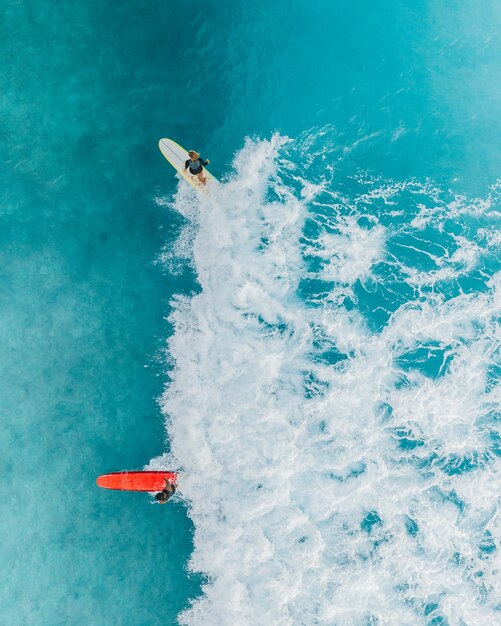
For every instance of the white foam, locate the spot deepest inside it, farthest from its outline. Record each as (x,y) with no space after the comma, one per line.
(279,480)
(351,254)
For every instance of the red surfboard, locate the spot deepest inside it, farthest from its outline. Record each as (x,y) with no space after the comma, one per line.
(136,481)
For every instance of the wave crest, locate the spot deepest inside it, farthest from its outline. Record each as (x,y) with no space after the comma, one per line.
(332,406)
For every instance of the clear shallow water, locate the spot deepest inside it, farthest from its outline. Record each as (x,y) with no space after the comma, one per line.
(82,321)
(342,338)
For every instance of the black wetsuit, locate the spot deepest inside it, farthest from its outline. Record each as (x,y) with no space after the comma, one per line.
(195,166)
(168,493)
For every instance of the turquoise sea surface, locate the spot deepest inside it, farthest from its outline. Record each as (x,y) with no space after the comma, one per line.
(314,345)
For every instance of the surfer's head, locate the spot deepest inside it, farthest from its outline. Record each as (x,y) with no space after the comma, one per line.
(161,497)
(194,155)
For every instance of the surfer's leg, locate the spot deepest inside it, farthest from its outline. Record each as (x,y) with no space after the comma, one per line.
(201,178)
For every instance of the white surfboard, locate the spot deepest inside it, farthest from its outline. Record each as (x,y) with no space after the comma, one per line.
(177,157)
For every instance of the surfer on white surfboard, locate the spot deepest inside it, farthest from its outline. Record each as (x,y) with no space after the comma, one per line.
(195,164)
(164,496)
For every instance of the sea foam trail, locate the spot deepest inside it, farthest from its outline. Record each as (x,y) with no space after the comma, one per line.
(332,406)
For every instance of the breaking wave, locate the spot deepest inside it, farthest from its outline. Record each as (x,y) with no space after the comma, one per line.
(333,401)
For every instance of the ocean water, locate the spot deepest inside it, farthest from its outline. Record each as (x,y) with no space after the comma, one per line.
(319,336)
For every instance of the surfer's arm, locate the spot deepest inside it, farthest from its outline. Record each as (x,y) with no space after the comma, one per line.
(186,163)
(204,163)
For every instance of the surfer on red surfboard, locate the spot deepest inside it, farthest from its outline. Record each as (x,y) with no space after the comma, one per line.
(164,496)
(151,481)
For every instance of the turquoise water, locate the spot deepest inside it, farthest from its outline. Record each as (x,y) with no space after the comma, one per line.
(331,367)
